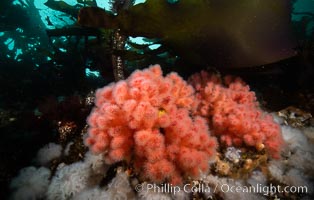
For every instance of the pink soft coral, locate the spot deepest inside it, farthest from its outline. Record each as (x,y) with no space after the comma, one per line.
(234,114)
(145,120)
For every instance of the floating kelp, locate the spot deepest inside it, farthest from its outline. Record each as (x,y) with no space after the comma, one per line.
(221,33)
(62,7)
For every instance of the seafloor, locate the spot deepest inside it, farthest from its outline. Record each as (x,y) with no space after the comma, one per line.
(287,93)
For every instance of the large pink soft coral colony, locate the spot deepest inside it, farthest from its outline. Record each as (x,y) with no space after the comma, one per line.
(234,114)
(145,120)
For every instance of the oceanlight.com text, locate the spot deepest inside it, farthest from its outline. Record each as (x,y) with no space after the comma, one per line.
(263,189)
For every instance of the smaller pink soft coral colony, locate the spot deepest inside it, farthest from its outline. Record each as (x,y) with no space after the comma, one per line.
(146,121)
(234,115)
